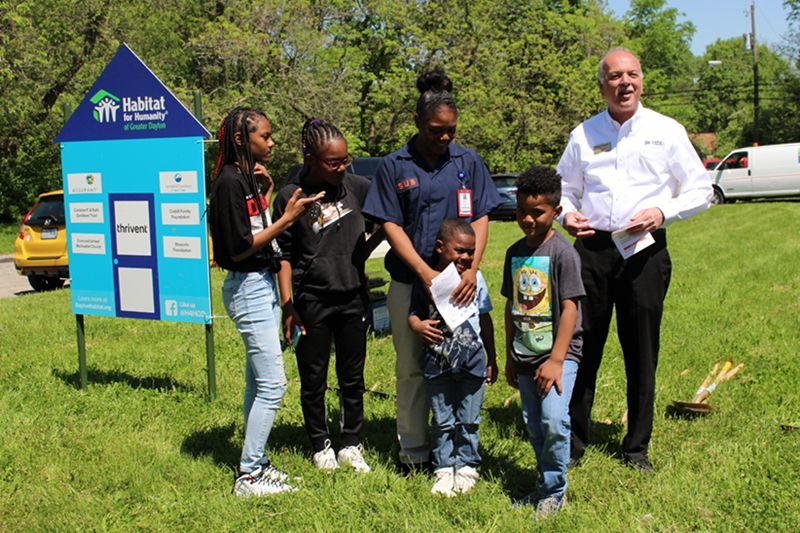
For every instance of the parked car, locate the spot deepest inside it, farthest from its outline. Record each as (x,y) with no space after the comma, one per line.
(40,249)
(506,186)
(758,172)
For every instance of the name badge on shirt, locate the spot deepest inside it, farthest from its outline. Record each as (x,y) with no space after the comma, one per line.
(464,202)
(600,148)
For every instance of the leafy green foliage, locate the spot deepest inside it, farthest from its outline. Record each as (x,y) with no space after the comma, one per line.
(524,72)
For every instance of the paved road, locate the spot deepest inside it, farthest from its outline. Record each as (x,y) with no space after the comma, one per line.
(11,283)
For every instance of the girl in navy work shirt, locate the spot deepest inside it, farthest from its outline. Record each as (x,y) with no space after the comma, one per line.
(244,245)
(415,189)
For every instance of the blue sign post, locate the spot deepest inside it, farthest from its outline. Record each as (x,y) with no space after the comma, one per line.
(134,192)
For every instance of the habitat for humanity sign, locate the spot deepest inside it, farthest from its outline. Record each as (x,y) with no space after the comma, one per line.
(134,189)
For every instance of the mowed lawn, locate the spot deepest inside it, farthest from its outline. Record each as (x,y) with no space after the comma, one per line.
(143,449)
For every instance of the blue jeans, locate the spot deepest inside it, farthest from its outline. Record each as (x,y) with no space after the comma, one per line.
(251,300)
(547,420)
(456,413)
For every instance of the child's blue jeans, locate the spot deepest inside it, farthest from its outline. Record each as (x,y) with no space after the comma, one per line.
(456,413)
(547,420)
(252,302)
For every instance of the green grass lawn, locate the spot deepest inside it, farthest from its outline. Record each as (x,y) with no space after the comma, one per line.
(8,232)
(143,449)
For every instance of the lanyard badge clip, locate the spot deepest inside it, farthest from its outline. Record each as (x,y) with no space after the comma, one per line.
(464,197)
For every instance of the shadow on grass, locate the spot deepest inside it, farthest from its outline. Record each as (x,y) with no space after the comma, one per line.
(105,377)
(217,443)
(518,482)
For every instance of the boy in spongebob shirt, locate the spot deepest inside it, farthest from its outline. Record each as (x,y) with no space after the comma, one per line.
(542,285)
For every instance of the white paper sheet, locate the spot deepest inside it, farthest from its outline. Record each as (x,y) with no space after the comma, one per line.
(442,287)
(629,243)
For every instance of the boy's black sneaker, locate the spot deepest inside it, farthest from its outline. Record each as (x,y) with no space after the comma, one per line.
(640,463)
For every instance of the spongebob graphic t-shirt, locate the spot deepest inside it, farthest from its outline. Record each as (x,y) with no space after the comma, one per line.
(462,349)
(536,281)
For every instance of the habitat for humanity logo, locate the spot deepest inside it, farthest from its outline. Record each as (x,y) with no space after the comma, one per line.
(138,113)
(105,106)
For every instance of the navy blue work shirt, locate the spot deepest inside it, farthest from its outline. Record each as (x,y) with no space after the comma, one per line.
(407,192)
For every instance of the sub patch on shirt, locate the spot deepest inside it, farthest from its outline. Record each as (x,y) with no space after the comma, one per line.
(406,184)
(654,143)
(600,148)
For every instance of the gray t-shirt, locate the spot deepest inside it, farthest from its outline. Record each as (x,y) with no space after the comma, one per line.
(536,281)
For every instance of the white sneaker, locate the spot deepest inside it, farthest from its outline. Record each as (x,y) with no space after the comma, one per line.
(444,483)
(465,479)
(353,456)
(326,459)
(278,475)
(258,483)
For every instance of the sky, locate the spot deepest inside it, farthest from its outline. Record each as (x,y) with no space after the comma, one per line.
(722,19)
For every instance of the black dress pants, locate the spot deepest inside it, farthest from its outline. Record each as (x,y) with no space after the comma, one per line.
(637,287)
(341,318)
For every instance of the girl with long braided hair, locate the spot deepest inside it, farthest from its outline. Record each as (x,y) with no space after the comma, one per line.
(323,290)
(244,244)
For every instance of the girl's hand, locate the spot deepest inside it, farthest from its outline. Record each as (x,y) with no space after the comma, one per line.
(511,374)
(427,330)
(491,372)
(297,206)
(263,175)
(291,320)
(547,375)
(465,292)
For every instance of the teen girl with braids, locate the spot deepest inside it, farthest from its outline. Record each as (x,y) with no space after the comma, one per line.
(323,265)
(244,245)
(416,188)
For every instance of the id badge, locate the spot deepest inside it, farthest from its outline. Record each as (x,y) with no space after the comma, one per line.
(464,203)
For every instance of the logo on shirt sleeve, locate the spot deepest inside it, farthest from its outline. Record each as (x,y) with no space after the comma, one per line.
(405,184)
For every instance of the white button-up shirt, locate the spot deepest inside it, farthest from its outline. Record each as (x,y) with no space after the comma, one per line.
(610,171)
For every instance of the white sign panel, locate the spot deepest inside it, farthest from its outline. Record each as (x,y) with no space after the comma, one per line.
(182,247)
(85,183)
(180,214)
(86,212)
(132,226)
(88,243)
(178,181)
(136,290)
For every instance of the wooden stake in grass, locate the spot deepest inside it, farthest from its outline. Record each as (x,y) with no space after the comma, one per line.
(720,378)
(702,388)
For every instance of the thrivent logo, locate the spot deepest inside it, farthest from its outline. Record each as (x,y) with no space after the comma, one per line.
(105,106)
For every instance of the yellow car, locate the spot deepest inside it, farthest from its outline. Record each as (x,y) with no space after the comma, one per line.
(40,250)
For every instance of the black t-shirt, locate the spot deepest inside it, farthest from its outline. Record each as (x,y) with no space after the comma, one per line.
(327,253)
(235,218)
(536,281)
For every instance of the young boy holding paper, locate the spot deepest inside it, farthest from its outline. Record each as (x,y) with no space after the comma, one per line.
(459,359)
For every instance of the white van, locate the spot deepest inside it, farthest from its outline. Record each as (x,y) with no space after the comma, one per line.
(758,172)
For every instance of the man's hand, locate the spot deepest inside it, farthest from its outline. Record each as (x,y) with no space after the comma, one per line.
(511,374)
(427,330)
(577,225)
(649,219)
(547,375)
(465,292)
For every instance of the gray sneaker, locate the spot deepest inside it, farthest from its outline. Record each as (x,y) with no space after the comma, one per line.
(258,483)
(549,507)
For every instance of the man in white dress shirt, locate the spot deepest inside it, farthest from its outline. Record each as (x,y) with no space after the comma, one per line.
(627,167)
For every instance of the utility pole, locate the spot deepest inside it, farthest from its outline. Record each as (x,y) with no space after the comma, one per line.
(754,47)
